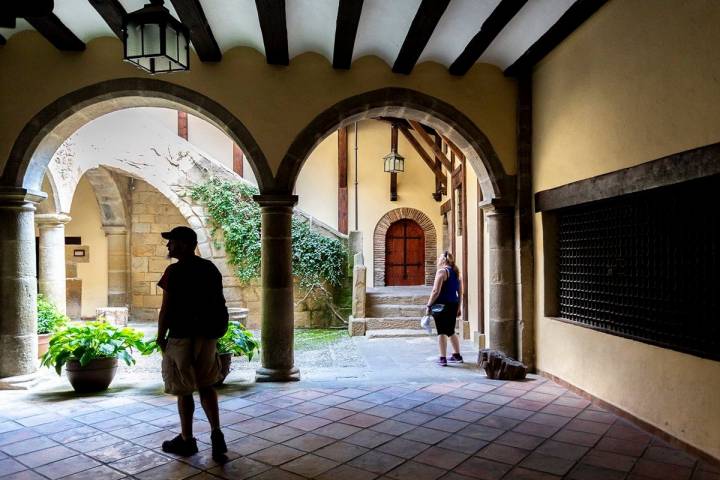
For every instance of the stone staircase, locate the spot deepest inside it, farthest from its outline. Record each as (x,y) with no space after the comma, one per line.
(395,311)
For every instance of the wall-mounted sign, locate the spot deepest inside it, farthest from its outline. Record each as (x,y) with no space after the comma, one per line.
(78,253)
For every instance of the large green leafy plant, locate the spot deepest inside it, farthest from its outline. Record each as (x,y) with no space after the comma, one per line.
(49,318)
(317,259)
(88,341)
(238,341)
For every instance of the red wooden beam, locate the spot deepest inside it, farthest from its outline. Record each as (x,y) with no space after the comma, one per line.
(342,180)
(238,157)
(183,125)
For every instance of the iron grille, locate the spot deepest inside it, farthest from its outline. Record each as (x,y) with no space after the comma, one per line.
(646,266)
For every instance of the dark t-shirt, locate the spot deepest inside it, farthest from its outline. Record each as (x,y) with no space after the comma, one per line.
(195,295)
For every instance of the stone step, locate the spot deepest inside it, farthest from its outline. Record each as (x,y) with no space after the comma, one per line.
(393,299)
(385,323)
(396,310)
(395,333)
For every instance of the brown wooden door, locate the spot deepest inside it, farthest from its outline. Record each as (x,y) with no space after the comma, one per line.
(405,254)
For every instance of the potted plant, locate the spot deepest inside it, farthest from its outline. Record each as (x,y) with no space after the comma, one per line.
(90,353)
(49,320)
(237,341)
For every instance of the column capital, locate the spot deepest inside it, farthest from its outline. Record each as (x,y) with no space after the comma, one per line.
(20,197)
(276,200)
(497,206)
(115,230)
(51,219)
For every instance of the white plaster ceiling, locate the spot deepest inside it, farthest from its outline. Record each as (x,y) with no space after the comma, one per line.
(311,26)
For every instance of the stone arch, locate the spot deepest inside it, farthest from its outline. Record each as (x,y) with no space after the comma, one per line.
(113,212)
(41,137)
(381,230)
(410,104)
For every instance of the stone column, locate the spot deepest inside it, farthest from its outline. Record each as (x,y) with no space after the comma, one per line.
(501,273)
(118,265)
(277,289)
(18,286)
(51,258)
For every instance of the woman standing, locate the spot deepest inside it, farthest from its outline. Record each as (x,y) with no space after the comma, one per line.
(447,291)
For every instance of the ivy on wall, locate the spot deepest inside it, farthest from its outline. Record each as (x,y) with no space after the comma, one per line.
(317,260)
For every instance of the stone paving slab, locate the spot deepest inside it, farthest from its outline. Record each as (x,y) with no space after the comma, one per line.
(473,428)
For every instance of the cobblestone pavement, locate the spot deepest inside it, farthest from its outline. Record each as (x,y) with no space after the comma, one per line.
(398,416)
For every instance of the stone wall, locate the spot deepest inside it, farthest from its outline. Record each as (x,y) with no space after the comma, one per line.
(151,214)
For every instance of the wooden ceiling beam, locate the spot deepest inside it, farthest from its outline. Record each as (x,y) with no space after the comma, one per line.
(2,40)
(112,12)
(430,143)
(426,19)
(454,148)
(423,154)
(346,26)
(568,23)
(192,15)
(273,24)
(50,27)
(490,29)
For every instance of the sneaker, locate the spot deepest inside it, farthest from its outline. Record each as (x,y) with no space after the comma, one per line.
(180,446)
(219,448)
(442,362)
(456,358)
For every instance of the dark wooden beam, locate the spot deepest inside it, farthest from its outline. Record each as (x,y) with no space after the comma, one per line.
(393,175)
(342,180)
(423,154)
(271,14)
(11,10)
(2,40)
(192,15)
(490,29)
(426,19)
(346,27)
(112,12)
(437,150)
(454,148)
(182,124)
(56,33)
(568,23)
(238,156)
(437,195)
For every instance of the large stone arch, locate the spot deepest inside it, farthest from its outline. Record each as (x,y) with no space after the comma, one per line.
(409,104)
(48,129)
(381,230)
(113,212)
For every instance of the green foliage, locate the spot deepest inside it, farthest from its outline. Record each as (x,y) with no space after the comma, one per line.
(238,341)
(49,318)
(88,341)
(317,259)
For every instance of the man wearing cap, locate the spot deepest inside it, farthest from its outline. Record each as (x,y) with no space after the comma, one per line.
(192,299)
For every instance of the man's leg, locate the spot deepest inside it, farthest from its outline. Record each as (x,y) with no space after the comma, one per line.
(455,342)
(186,409)
(209,402)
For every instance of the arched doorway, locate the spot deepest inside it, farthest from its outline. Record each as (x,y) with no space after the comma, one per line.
(404,254)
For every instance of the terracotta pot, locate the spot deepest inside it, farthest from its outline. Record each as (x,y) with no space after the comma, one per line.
(93,377)
(225,361)
(43,343)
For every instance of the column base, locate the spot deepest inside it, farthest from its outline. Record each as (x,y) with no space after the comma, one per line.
(263,374)
(20,382)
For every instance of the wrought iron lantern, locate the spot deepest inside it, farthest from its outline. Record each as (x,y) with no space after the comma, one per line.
(155,41)
(394,162)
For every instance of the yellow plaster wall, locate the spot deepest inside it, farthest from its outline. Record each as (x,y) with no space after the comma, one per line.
(631,85)
(86,223)
(274,103)
(317,184)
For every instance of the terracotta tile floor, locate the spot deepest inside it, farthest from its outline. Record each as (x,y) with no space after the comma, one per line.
(480,429)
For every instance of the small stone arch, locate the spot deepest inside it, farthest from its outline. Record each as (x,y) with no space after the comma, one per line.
(381,230)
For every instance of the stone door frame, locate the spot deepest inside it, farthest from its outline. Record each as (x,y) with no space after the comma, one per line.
(380,233)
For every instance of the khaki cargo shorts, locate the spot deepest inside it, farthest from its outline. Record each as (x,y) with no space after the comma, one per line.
(189,364)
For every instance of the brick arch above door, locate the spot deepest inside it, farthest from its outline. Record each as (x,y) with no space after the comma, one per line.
(380,233)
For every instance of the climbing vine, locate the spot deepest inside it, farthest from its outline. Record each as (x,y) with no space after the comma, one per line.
(317,260)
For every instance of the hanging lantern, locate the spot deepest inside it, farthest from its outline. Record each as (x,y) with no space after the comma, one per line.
(155,41)
(394,162)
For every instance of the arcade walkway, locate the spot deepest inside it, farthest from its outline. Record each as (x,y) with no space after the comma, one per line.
(459,426)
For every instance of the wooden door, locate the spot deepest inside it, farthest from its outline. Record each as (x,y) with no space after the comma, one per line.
(405,254)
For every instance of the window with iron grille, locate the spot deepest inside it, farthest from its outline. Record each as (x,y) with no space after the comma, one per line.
(645,266)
